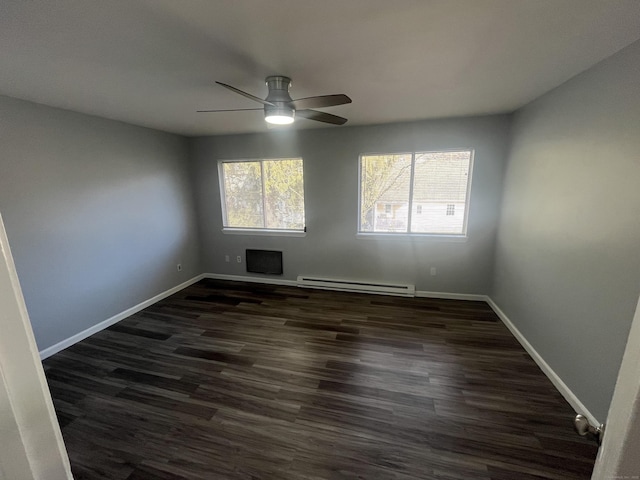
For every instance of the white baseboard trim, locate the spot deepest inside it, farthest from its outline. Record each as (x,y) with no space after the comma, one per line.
(294,283)
(451,296)
(242,278)
(562,387)
(53,349)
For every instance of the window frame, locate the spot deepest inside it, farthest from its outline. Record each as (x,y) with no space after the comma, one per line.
(284,232)
(408,234)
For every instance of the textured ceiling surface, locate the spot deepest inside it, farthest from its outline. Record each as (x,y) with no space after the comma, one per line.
(154,62)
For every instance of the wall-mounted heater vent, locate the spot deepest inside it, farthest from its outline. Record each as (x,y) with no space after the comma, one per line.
(404,290)
(264,261)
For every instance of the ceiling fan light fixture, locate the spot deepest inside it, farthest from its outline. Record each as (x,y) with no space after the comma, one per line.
(279,119)
(279,115)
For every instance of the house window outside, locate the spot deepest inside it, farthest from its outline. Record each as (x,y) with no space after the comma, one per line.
(262,194)
(429,192)
(387,208)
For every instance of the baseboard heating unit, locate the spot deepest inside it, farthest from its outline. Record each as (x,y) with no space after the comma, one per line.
(403,290)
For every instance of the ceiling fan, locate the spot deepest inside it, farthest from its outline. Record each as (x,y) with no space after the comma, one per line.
(280,109)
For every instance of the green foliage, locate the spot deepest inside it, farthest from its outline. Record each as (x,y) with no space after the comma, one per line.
(264,194)
(284,193)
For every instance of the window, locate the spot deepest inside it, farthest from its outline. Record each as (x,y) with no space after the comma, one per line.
(429,192)
(262,194)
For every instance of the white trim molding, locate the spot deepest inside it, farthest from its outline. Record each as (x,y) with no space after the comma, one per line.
(562,387)
(294,283)
(241,278)
(451,296)
(32,444)
(264,231)
(53,349)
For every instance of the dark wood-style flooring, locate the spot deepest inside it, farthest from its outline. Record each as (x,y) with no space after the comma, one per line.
(230,380)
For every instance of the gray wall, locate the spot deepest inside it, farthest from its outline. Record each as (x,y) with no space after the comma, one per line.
(568,250)
(330,247)
(98,214)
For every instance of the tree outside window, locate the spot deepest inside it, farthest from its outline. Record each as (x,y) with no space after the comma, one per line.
(263,194)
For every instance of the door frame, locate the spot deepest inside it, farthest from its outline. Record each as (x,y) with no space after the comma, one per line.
(618,455)
(32,444)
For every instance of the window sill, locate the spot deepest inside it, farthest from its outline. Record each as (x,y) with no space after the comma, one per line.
(410,236)
(264,232)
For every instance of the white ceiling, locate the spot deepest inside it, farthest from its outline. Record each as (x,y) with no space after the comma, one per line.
(154,62)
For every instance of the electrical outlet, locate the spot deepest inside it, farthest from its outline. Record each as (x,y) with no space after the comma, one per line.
(179,267)
(226,258)
(433,271)
(239,259)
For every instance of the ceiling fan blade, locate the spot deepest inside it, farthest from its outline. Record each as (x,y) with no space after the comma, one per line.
(321,117)
(320,101)
(245,94)
(232,110)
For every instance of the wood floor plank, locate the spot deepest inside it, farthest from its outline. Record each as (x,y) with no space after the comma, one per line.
(233,380)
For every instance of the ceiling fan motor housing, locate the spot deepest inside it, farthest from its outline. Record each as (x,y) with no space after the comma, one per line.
(278,86)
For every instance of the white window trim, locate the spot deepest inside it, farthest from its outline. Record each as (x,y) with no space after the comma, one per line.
(263,231)
(255,231)
(462,237)
(438,237)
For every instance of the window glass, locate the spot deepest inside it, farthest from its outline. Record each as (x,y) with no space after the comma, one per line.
(423,192)
(243,194)
(263,194)
(384,192)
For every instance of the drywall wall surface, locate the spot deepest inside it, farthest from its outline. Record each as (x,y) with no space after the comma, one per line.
(331,247)
(568,249)
(99,213)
